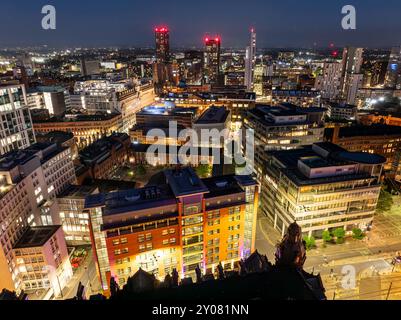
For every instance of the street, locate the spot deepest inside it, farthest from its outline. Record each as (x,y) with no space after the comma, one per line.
(86,274)
(371,258)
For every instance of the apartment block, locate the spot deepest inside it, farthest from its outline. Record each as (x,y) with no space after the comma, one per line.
(16,124)
(30,180)
(179,223)
(42,260)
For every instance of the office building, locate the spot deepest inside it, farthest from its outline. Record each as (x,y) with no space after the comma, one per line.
(259,79)
(283,127)
(104,156)
(214,121)
(321,187)
(250,60)
(73,218)
(211,62)
(160,117)
(86,128)
(379,139)
(303,98)
(182,223)
(16,130)
(30,181)
(89,67)
(104,96)
(42,260)
(55,99)
(61,138)
(339,111)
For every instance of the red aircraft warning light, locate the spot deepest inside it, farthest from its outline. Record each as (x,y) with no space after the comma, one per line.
(216,39)
(161,29)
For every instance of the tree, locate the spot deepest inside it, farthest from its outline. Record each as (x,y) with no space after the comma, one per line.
(385,201)
(140,170)
(358,234)
(339,233)
(326,236)
(310,242)
(203,170)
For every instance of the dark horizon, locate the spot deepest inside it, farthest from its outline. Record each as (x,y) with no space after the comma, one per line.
(124,23)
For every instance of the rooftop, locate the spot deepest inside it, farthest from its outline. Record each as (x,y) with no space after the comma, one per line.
(335,156)
(342,106)
(77,191)
(220,186)
(81,118)
(296,93)
(166,110)
(14,158)
(36,236)
(184,181)
(266,115)
(101,149)
(365,131)
(54,136)
(213,115)
(166,188)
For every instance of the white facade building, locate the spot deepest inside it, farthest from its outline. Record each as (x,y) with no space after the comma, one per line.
(16,130)
(329,82)
(30,179)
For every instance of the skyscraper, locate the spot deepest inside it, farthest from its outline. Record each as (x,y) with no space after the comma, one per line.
(351,73)
(329,82)
(212,60)
(162,69)
(352,60)
(393,75)
(162,37)
(250,58)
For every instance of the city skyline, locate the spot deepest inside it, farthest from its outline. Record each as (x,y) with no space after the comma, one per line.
(285,24)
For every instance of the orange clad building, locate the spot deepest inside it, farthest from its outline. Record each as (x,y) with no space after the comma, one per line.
(181,223)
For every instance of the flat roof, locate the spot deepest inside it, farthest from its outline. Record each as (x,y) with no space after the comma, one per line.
(36,236)
(77,191)
(166,110)
(371,130)
(213,115)
(131,199)
(184,181)
(337,156)
(220,186)
(81,118)
(14,158)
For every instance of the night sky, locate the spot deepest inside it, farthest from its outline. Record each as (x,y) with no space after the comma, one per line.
(284,23)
